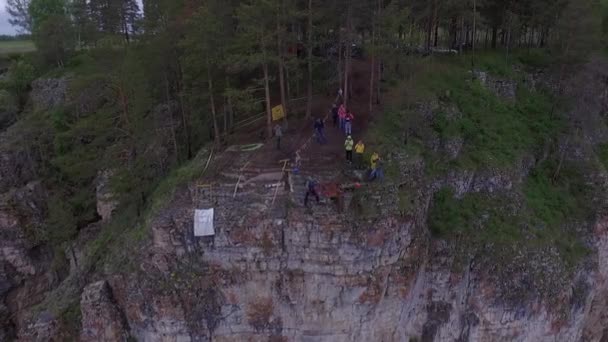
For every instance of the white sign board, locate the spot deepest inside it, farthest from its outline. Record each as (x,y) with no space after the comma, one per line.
(203,222)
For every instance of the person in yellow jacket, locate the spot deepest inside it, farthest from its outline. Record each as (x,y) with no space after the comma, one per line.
(374,160)
(376,164)
(359,150)
(348,146)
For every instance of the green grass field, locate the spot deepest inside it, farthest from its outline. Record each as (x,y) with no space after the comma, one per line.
(17,46)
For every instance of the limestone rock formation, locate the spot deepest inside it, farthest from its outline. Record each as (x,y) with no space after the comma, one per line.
(277,271)
(101,318)
(505,88)
(49,93)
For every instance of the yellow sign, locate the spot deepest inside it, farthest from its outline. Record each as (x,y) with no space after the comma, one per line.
(278,113)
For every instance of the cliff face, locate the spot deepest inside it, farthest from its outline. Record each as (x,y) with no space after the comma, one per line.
(26,274)
(277,271)
(280,272)
(311,277)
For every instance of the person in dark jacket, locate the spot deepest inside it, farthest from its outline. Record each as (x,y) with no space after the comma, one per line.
(334,114)
(311,189)
(278,133)
(320,131)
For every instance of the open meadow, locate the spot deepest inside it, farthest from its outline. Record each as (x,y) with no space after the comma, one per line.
(16,46)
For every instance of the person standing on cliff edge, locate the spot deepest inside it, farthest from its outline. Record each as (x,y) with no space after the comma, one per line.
(311,190)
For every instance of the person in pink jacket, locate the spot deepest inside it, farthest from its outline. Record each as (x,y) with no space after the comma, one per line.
(342,116)
(348,122)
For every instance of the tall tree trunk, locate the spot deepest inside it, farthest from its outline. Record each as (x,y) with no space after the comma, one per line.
(429,26)
(230,107)
(267,93)
(379,78)
(561,74)
(340,57)
(462,35)
(183,110)
(410,34)
(173,134)
(373,64)
(453,32)
(230,114)
(125,28)
(436,23)
(225,116)
(543,35)
(379,60)
(216,129)
(485,38)
(288,84)
(474,34)
(494,36)
(281,66)
(348,56)
(508,39)
(436,42)
(309,48)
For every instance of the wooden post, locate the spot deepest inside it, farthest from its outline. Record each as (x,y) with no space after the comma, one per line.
(236,187)
(276,191)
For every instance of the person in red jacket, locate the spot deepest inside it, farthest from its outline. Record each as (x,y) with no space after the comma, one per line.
(342,115)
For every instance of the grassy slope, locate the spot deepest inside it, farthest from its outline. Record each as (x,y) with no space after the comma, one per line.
(497,134)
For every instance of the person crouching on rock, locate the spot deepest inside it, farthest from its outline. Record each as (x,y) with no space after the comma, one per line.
(311,189)
(376,166)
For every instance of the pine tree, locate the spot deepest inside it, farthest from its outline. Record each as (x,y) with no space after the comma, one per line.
(85,29)
(129,17)
(309,61)
(205,41)
(256,37)
(52,29)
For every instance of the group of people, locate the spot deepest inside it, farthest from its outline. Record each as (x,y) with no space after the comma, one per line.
(343,119)
(359,149)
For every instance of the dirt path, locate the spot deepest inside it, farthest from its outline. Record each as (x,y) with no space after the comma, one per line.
(326,163)
(300,130)
(358,104)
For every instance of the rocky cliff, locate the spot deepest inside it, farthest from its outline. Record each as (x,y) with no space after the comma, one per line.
(277,271)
